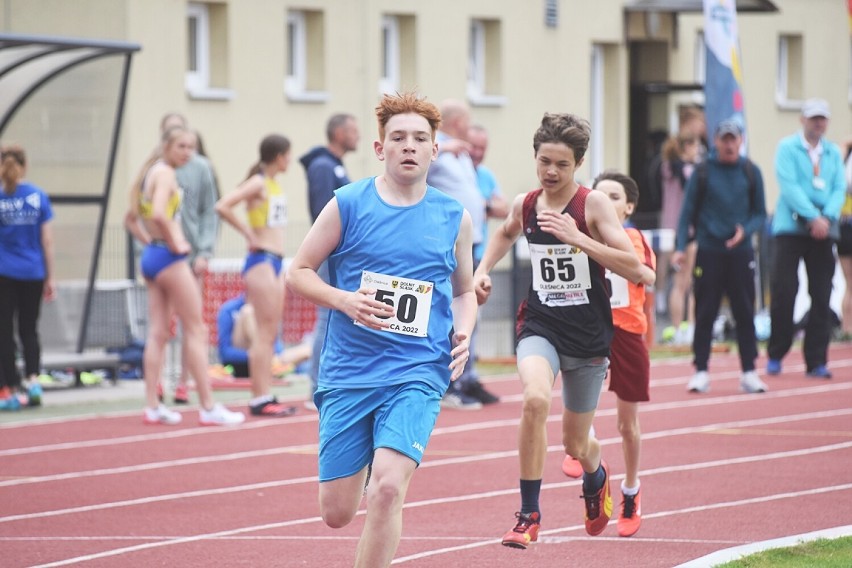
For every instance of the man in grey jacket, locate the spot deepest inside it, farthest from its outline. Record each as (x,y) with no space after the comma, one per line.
(453,173)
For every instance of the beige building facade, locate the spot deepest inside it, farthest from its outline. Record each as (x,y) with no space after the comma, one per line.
(241,69)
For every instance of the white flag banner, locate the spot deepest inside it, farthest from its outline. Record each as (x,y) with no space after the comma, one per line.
(723,93)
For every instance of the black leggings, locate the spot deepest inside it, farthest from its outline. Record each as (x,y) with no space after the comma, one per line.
(21,297)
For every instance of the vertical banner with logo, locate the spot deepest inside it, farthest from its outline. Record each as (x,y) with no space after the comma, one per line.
(723,93)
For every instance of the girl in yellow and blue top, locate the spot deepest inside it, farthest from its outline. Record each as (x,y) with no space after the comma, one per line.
(153,219)
(264,232)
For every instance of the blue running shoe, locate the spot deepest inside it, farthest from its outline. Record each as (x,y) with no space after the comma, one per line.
(10,403)
(819,372)
(773,367)
(34,394)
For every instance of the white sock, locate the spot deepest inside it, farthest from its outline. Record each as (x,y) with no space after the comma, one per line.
(630,491)
(260,400)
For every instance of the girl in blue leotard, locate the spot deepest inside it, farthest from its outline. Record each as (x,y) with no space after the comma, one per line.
(153,218)
(266,206)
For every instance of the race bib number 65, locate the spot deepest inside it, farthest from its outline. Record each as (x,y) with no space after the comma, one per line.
(559,268)
(411,301)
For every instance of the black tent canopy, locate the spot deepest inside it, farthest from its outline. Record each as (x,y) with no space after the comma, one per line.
(29,64)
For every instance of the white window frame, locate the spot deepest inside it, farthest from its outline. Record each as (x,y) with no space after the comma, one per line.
(476,60)
(476,68)
(390,72)
(199,78)
(782,79)
(197,82)
(296,76)
(596,150)
(700,59)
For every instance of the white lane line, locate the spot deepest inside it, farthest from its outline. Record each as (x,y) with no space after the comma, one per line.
(159,498)
(698,401)
(427,463)
(655,363)
(647,407)
(662,514)
(444,550)
(426,502)
(161,434)
(306,448)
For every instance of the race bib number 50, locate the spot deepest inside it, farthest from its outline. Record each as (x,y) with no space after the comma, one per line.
(411,301)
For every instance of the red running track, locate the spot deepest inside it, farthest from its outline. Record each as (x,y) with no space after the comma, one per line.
(718,470)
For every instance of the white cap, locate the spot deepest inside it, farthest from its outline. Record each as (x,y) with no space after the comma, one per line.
(816,107)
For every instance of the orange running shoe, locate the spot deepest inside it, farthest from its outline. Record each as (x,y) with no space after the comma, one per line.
(571,467)
(599,506)
(525,531)
(631,515)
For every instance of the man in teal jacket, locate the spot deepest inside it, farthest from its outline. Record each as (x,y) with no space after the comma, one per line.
(812,188)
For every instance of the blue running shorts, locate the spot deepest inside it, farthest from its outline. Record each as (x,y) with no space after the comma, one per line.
(261,256)
(353,423)
(155,257)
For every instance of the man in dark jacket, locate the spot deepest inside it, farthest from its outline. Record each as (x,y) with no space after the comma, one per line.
(324,165)
(726,205)
(325,171)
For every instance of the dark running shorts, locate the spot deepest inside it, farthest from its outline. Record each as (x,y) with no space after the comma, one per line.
(844,245)
(629,367)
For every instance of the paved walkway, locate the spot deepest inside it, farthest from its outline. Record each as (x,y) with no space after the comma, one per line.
(128,396)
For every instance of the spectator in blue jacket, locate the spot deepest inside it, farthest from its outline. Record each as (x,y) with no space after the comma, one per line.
(726,205)
(812,189)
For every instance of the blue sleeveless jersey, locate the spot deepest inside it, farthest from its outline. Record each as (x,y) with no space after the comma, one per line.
(416,242)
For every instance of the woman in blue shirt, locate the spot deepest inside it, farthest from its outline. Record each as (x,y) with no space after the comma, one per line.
(26,274)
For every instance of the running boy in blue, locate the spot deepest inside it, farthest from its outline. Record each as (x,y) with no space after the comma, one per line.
(403,309)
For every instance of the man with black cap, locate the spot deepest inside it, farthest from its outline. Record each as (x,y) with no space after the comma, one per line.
(812,188)
(723,207)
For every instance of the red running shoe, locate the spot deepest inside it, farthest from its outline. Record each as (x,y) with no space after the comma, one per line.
(272,408)
(631,515)
(571,467)
(525,531)
(599,506)
(181,394)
